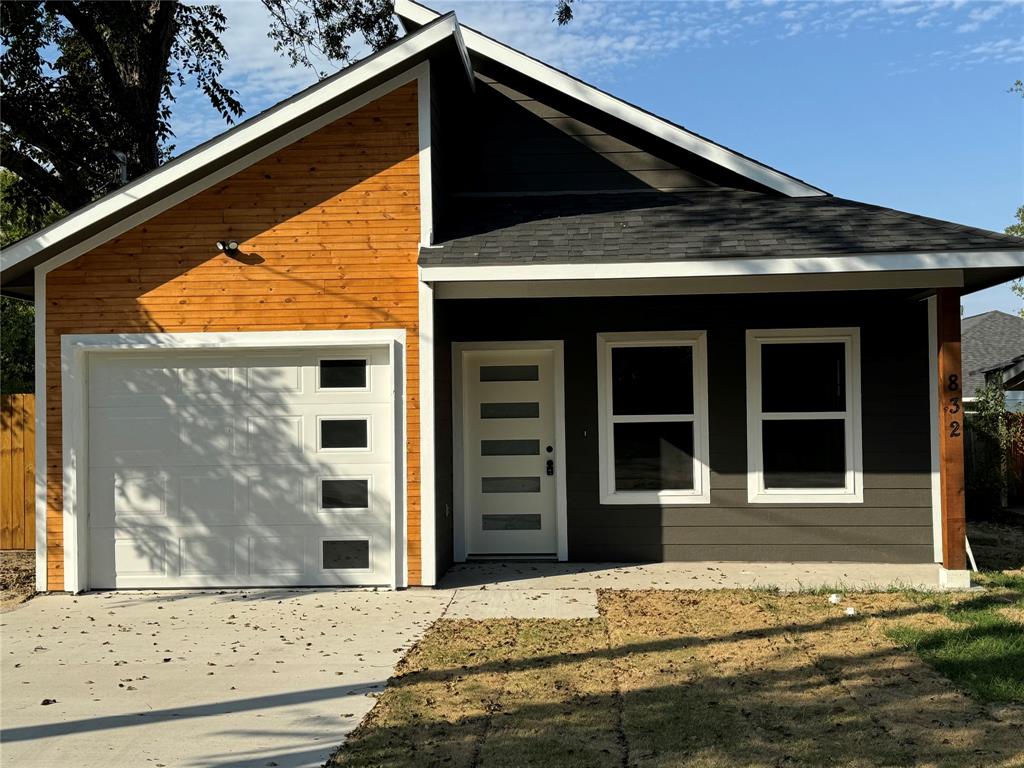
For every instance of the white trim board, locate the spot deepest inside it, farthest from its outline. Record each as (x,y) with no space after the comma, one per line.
(74,426)
(458,450)
(428,489)
(884,262)
(236,139)
(680,286)
(39,277)
(605,102)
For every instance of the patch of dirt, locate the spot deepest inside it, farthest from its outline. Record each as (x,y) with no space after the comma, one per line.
(17,578)
(685,678)
(998,542)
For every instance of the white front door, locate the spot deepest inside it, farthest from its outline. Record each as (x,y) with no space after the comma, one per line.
(509,494)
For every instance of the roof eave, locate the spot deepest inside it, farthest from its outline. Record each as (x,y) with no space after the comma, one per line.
(228,149)
(413,15)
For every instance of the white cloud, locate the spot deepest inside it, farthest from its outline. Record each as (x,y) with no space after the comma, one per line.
(608,36)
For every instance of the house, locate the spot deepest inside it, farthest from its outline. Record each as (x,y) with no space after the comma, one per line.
(993,351)
(453,303)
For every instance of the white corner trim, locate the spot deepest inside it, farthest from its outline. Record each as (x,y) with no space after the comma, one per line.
(39,276)
(74,424)
(425,168)
(725,267)
(428,489)
(701,492)
(235,140)
(588,94)
(933,426)
(853,492)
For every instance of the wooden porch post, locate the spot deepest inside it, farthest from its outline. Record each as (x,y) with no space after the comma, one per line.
(951,430)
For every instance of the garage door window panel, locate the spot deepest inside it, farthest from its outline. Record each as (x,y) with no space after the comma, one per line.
(345,494)
(344,433)
(345,554)
(343,373)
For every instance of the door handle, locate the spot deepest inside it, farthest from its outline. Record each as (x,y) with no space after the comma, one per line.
(550,466)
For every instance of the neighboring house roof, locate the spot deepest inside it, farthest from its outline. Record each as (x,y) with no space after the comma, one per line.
(989,341)
(703,224)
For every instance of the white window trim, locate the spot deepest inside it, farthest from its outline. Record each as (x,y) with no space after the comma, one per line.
(853,492)
(369,555)
(321,418)
(342,511)
(701,492)
(369,373)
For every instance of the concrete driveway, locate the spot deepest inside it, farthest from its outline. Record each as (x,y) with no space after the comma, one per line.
(261,678)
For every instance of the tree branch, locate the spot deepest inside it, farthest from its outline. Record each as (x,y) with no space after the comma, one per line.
(85,27)
(42,180)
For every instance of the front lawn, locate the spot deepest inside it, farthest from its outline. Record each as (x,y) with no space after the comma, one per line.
(729,678)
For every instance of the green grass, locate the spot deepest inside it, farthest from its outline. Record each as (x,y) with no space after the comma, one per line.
(983,653)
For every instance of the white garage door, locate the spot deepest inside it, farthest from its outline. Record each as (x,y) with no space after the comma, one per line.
(240,468)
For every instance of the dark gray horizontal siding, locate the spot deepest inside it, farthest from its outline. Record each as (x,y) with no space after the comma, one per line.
(893,524)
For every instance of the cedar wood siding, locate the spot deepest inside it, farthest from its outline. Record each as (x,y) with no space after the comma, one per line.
(892,525)
(330,228)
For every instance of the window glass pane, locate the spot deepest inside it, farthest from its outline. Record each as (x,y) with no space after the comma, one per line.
(510,484)
(510,447)
(343,433)
(346,554)
(342,374)
(511,522)
(654,456)
(652,380)
(509,373)
(509,410)
(345,494)
(804,454)
(803,377)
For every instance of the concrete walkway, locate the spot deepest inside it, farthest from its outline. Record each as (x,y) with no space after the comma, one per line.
(510,576)
(280,677)
(260,678)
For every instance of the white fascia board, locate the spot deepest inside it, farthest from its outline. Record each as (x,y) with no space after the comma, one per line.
(729,267)
(234,140)
(588,94)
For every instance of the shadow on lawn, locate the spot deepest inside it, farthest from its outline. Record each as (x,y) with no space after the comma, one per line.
(556,694)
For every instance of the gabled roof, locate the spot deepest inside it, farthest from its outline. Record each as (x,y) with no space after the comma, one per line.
(413,16)
(989,341)
(229,152)
(712,223)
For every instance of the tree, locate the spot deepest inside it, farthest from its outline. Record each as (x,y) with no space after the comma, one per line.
(17,317)
(88,89)
(1017,229)
(89,86)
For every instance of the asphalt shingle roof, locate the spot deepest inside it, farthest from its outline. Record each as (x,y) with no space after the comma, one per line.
(700,224)
(988,340)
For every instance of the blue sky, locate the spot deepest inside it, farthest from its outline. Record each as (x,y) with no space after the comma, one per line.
(900,103)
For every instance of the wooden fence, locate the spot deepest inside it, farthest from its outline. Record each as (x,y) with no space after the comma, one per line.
(17,471)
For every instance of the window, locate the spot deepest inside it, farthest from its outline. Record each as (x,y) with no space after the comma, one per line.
(345,493)
(803,416)
(345,554)
(342,434)
(653,426)
(342,373)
